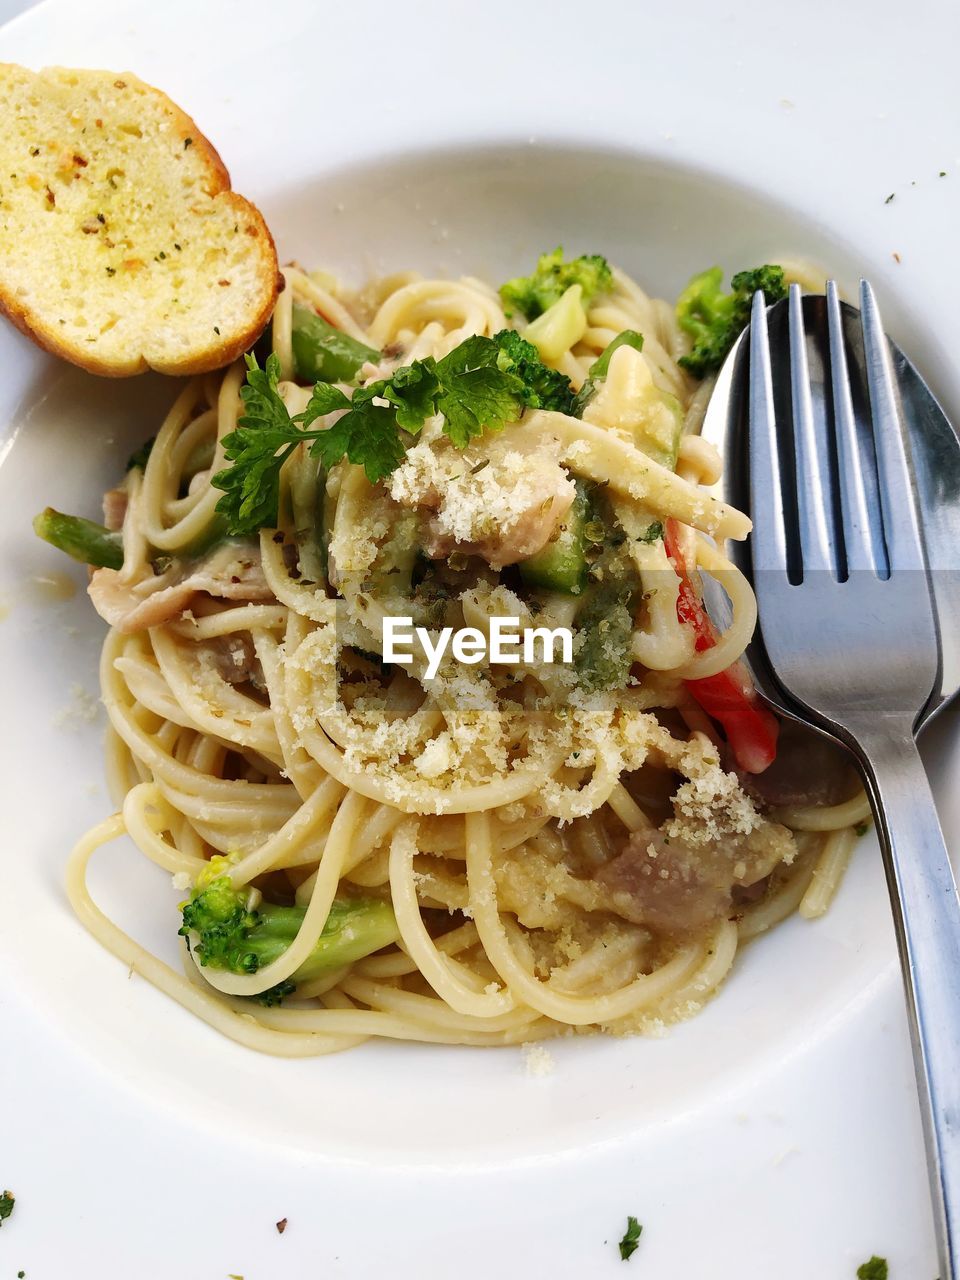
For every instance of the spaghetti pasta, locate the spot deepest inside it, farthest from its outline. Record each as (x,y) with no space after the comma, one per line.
(559,850)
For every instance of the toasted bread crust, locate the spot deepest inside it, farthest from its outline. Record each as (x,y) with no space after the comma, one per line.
(200,348)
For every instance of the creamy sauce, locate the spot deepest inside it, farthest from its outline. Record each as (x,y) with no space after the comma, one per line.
(50,588)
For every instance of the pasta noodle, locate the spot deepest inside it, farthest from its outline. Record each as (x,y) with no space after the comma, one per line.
(558,855)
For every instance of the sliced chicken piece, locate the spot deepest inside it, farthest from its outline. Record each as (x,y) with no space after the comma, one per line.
(115,508)
(503,506)
(515,540)
(231,572)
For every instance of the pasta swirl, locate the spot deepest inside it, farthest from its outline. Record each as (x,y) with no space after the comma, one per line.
(557,850)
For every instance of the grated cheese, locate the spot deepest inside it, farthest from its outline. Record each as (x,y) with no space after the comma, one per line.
(82,709)
(506,507)
(538,1061)
(712,804)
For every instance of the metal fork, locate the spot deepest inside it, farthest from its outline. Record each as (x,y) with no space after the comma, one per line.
(848,623)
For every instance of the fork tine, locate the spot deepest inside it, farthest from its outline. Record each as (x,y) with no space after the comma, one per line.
(900,527)
(855,512)
(768,542)
(817,543)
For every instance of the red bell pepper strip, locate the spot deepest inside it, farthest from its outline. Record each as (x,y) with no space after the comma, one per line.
(729,696)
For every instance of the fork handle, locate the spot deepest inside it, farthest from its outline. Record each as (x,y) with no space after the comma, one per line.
(926,915)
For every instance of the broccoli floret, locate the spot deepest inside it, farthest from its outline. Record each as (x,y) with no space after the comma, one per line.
(715,319)
(543,387)
(218,915)
(274,995)
(532,295)
(225,933)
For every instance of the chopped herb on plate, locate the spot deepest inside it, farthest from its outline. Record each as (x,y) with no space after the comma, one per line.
(875,1269)
(631,1239)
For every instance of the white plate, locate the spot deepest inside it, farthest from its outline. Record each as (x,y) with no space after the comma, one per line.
(777,1133)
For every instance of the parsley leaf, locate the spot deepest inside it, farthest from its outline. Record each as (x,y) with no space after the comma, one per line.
(264,438)
(367,434)
(324,399)
(413,390)
(875,1269)
(652,533)
(475,393)
(7,1201)
(631,1239)
(479,386)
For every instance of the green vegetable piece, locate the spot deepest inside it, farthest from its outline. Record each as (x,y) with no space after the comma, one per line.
(532,295)
(715,319)
(467,387)
(659,428)
(562,564)
(225,934)
(7,1201)
(367,435)
(140,456)
(324,353)
(560,327)
(543,387)
(625,338)
(274,995)
(598,370)
(308,480)
(475,393)
(414,390)
(84,540)
(652,533)
(263,439)
(875,1269)
(662,432)
(631,1239)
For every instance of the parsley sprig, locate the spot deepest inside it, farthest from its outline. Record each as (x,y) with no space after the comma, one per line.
(481,385)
